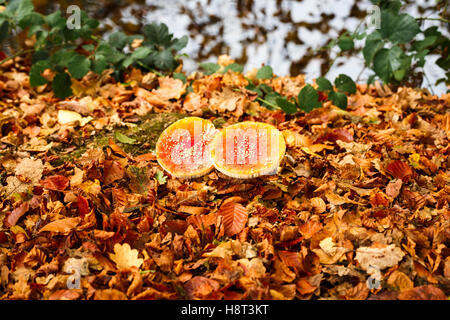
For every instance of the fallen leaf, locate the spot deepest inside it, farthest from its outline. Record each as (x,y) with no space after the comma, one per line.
(428,292)
(125,257)
(63,226)
(57,183)
(235,217)
(379,258)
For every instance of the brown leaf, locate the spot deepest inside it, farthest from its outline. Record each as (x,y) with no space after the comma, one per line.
(15,215)
(304,287)
(68,294)
(400,281)
(359,292)
(235,217)
(63,226)
(56,183)
(200,287)
(113,171)
(399,170)
(310,228)
(109,294)
(428,292)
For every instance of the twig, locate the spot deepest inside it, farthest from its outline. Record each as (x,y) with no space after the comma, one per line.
(434,19)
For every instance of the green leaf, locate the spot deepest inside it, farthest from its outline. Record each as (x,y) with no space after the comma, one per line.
(372,45)
(381,65)
(88,47)
(123,138)
(388,61)
(181,76)
(399,28)
(118,40)
(35,73)
(108,53)
(324,84)
(339,99)
(55,20)
(270,100)
(32,19)
(19,8)
(99,65)
(265,88)
(265,72)
(345,83)
(61,85)
(179,44)
(286,106)
(210,67)
(157,34)
(308,98)
(346,43)
(159,175)
(164,60)
(4,30)
(78,66)
(233,67)
(141,52)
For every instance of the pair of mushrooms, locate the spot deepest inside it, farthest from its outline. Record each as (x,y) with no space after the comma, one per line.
(192,147)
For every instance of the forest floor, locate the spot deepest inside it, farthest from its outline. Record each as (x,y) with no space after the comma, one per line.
(360,209)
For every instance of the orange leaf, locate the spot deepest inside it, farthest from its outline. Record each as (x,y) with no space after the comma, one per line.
(62,226)
(235,217)
(399,170)
(309,228)
(57,183)
(304,287)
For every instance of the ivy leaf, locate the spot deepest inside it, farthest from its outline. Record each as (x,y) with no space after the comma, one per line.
(35,73)
(345,83)
(339,99)
(324,84)
(286,106)
(210,67)
(308,98)
(346,43)
(233,67)
(399,28)
(123,138)
(61,85)
(78,66)
(264,72)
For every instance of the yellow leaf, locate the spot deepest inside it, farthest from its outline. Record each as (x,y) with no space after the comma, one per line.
(125,257)
(66,116)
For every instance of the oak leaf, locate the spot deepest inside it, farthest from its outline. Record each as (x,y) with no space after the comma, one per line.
(380,258)
(125,257)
